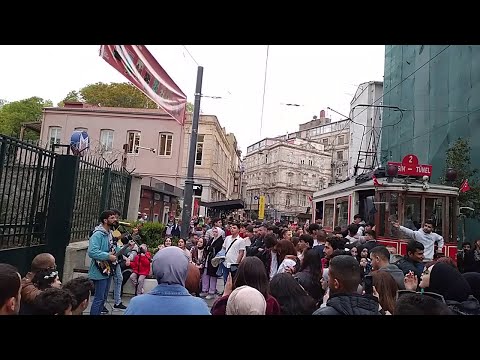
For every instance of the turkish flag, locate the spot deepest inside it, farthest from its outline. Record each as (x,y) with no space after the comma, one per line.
(375,181)
(465,187)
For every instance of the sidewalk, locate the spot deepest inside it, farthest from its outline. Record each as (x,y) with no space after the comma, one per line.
(126,301)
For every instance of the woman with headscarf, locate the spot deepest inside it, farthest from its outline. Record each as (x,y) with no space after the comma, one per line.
(246,300)
(445,280)
(170,297)
(473,279)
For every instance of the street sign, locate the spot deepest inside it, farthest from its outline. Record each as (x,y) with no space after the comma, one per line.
(261,208)
(411,167)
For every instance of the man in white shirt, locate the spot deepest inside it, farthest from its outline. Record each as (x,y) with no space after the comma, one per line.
(234,246)
(426,236)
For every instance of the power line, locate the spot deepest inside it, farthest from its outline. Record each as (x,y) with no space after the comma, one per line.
(383,95)
(437,127)
(264,88)
(190,55)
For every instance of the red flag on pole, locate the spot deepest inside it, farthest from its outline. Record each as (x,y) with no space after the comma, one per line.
(375,181)
(465,187)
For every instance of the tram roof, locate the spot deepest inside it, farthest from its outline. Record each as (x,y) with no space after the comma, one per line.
(394,184)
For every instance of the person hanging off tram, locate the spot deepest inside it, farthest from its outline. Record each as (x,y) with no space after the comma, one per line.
(426,236)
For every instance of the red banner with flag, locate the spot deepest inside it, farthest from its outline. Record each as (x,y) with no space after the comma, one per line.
(139,66)
(464,187)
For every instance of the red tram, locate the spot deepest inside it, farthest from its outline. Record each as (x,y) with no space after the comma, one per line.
(381,199)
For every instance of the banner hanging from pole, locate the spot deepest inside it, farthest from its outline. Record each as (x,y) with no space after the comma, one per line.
(139,66)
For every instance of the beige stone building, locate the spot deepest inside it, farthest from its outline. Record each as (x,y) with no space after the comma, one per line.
(287,172)
(217,163)
(334,136)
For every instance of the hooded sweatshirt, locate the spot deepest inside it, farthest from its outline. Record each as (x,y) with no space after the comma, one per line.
(350,304)
(396,273)
(449,282)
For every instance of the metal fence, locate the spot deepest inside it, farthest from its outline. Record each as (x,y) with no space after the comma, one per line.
(98,188)
(25,182)
(48,199)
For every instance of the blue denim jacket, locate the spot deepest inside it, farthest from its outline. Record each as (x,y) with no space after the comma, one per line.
(167,300)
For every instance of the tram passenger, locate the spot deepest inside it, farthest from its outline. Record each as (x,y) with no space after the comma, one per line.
(426,236)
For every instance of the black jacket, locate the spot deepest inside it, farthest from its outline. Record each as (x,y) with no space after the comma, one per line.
(350,304)
(406,265)
(312,287)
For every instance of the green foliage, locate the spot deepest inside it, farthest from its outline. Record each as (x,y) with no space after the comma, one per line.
(189,107)
(13,114)
(3,102)
(152,234)
(71,96)
(111,95)
(458,158)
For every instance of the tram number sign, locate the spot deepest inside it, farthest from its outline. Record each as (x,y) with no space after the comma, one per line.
(410,167)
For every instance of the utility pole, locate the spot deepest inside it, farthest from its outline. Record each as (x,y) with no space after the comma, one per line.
(188,191)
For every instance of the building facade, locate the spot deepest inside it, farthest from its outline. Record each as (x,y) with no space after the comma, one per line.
(147,142)
(365,132)
(286,172)
(217,162)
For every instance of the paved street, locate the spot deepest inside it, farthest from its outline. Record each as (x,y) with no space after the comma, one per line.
(126,300)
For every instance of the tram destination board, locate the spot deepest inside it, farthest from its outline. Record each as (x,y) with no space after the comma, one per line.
(410,167)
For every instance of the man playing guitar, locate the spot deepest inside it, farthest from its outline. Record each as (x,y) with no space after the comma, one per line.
(101,251)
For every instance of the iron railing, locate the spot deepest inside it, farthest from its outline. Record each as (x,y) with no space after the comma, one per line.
(26,173)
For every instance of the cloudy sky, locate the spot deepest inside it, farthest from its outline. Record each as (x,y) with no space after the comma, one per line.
(314,76)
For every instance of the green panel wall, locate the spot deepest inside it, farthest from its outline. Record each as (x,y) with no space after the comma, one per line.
(442,100)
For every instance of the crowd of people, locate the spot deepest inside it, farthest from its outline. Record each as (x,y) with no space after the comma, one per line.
(267,269)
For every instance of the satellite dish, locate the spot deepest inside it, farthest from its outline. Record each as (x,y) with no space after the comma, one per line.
(79,142)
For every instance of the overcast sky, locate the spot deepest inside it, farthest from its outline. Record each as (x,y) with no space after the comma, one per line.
(314,76)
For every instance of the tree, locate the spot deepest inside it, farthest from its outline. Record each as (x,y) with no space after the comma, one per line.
(189,107)
(116,95)
(458,158)
(2,102)
(13,114)
(71,96)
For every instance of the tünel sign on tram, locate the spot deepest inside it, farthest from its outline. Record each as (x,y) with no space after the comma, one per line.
(410,167)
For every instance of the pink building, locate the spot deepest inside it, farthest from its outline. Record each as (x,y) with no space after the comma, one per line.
(153,142)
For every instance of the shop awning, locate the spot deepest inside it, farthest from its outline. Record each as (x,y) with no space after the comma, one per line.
(224,205)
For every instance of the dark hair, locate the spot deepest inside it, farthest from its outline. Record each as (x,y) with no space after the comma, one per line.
(381,251)
(284,248)
(252,272)
(44,279)
(430,222)
(307,238)
(346,269)
(336,242)
(295,240)
(372,233)
(249,228)
(117,212)
(105,215)
(270,241)
(352,229)
(418,304)
(217,219)
(291,296)
(9,283)
(337,230)
(413,246)
(53,301)
(357,216)
(312,261)
(313,227)
(81,288)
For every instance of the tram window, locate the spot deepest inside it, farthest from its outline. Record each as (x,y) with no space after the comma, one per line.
(342,212)
(366,205)
(381,214)
(434,211)
(328,216)
(413,213)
